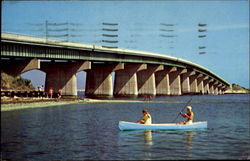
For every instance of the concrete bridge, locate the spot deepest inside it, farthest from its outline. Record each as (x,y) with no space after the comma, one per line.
(136,72)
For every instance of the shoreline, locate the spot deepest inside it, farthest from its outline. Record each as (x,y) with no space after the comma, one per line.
(10,104)
(17,103)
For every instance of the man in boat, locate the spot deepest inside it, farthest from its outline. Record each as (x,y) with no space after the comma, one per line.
(189,115)
(146,119)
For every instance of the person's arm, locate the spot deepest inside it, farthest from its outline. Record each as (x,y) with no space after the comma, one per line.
(143,119)
(140,121)
(187,116)
(183,114)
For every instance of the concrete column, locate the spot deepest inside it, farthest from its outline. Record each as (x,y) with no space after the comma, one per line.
(62,75)
(206,82)
(175,81)
(223,88)
(162,81)
(219,91)
(185,81)
(17,67)
(146,80)
(216,91)
(193,84)
(206,87)
(216,88)
(126,80)
(219,87)
(99,79)
(211,86)
(200,83)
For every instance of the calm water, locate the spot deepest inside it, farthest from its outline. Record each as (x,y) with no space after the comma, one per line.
(90,131)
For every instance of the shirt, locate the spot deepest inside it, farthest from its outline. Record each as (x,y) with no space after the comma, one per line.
(147,119)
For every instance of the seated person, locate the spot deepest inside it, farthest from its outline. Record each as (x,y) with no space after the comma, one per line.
(146,119)
(189,115)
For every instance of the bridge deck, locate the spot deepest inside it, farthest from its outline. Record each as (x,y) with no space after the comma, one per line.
(54,49)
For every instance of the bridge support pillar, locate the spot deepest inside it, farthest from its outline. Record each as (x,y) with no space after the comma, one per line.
(223,89)
(146,80)
(175,81)
(126,80)
(206,85)
(17,67)
(226,88)
(219,91)
(193,84)
(62,75)
(200,83)
(162,81)
(99,79)
(211,86)
(216,88)
(185,81)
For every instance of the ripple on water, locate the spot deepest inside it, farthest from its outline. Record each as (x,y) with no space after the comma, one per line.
(90,131)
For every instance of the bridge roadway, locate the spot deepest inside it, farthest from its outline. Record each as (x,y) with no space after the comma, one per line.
(136,72)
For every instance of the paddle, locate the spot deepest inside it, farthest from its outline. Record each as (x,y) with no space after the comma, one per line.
(182,109)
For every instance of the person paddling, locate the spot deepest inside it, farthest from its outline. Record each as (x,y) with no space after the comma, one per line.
(189,115)
(146,119)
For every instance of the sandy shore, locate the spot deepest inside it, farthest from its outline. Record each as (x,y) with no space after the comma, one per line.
(8,104)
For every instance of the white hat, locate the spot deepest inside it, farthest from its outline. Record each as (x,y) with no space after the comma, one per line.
(189,107)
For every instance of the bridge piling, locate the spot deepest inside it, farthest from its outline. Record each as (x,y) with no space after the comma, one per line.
(206,84)
(99,79)
(193,83)
(62,75)
(211,86)
(200,84)
(126,80)
(146,80)
(216,91)
(175,81)
(185,81)
(162,81)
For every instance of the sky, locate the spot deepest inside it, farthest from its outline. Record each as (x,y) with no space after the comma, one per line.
(166,27)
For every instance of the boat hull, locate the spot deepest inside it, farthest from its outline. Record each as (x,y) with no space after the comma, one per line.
(124,125)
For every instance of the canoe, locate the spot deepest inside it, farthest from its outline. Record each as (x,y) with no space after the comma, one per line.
(124,125)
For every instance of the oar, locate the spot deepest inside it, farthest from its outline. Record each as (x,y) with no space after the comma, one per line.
(182,109)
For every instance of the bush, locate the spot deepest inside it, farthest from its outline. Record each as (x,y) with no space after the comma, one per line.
(8,82)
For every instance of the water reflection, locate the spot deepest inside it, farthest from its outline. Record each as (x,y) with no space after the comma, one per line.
(142,139)
(82,132)
(140,136)
(188,140)
(148,141)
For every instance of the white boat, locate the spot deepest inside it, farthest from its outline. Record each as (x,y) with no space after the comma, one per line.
(124,125)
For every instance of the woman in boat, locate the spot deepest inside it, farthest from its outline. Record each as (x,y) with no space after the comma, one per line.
(189,115)
(146,119)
